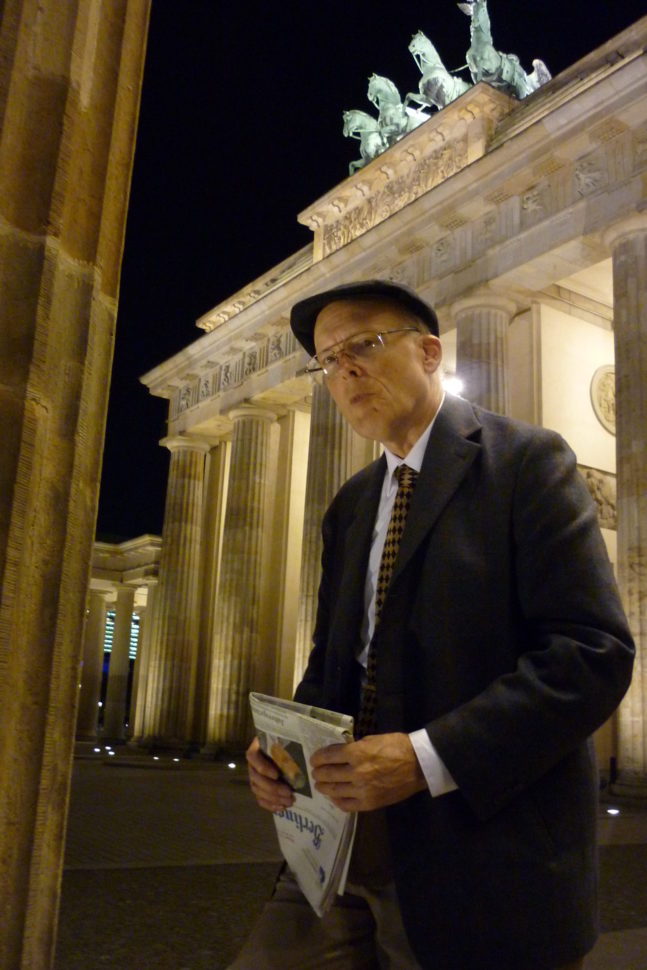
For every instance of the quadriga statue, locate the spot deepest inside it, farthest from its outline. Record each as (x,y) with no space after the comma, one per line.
(395,119)
(366,128)
(437,87)
(487,64)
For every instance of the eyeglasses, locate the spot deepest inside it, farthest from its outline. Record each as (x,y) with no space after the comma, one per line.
(361,346)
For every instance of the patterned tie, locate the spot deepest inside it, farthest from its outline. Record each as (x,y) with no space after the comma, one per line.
(406,482)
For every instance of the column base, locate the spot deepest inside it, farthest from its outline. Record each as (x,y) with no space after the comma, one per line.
(630,787)
(154,745)
(217,751)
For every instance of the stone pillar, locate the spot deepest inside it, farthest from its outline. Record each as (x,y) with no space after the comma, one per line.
(114,712)
(335,452)
(91,669)
(170,687)
(236,652)
(140,675)
(213,524)
(70,78)
(628,244)
(482,323)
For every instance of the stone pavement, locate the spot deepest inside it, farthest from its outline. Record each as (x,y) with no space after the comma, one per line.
(168,863)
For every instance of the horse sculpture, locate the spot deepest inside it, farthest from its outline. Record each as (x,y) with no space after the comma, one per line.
(360,125)
(395,120)
(502,71)
(437,86)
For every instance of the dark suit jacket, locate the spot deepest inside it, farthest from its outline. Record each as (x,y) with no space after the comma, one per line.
(503,635)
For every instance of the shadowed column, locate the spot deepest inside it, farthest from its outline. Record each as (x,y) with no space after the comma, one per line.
(70,77)
(237,640)
(335,452)
(91,669)
(167,715)
(629,249)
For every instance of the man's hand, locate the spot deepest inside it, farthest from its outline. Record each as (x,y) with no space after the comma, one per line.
(264,779)
(379,770)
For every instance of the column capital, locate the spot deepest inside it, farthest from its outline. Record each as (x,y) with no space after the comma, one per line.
(252,411)
(186,443)
(483,301)
(636,224)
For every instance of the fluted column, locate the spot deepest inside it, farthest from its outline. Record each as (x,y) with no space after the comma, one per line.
(70,77)
(236,652)
(140,675)
(213,524)
(482,323)
(335,452)
(114,712)
(629,250)
(170,688)
(91,668)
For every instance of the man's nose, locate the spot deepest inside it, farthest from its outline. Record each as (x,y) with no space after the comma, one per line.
(347,362)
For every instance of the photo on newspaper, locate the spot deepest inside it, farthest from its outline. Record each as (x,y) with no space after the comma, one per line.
(314,835)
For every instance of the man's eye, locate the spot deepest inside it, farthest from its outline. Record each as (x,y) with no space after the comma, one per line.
(361,345)
(328,360)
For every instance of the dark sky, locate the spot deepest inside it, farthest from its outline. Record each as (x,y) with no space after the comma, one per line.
(240,129)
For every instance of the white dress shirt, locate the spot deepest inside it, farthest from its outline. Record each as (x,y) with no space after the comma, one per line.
(436,774)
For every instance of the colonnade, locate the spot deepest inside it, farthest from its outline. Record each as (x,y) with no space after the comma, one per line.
(234,530)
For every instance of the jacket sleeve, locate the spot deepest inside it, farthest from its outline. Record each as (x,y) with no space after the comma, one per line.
(575,654)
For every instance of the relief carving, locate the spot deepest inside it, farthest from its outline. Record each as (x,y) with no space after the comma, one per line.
(226,377)
(532,201)
(399,191)
(602,486)
(251,363)
(276,350)
(589,176)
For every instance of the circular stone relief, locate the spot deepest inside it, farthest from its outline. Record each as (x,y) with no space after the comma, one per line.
(603,397)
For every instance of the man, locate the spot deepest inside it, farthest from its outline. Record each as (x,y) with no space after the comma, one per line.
(497,649)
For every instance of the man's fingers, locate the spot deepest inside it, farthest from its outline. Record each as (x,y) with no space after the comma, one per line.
(332,754)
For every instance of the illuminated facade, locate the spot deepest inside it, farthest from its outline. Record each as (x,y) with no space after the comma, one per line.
(524,223)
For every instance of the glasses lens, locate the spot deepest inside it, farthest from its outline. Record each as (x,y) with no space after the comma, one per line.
(362,345)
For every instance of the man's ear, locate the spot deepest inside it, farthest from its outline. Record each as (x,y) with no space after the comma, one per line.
(433,352)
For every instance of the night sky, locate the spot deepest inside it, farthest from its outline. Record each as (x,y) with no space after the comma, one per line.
(240,129)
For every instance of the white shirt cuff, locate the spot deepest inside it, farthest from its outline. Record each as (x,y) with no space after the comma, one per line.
(439,780)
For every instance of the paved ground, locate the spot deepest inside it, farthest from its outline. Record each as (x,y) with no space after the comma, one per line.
(168,863)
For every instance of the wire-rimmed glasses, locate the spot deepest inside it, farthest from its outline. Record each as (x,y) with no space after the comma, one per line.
(361,346)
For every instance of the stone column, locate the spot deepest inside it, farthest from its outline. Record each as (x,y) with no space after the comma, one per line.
(170,687)
(91,669)
(236,652)
(70,78)
(213,523)
(628,244)
(140,676)
(114,712)
(335,452)
(482,323)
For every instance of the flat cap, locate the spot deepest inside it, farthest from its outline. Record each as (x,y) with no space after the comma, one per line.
(304,314)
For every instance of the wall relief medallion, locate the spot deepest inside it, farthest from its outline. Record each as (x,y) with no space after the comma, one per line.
(603,397)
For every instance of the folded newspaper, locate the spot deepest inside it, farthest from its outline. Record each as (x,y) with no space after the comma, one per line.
(315,836)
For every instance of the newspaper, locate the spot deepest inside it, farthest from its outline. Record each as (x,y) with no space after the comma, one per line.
(315,836)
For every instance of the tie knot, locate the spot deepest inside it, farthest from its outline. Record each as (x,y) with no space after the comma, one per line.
(406,477)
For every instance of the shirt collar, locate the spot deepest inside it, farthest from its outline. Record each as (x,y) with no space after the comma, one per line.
(417,453)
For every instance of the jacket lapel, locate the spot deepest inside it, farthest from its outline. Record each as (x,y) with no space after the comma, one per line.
(449,455)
